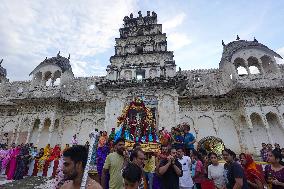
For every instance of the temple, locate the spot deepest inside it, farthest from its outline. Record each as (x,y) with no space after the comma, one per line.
(241,102)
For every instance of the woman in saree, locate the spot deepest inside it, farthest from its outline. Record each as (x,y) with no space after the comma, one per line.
(23,160)
(253,172)
(42,160)
(4,156)
(55,154)
(13,163)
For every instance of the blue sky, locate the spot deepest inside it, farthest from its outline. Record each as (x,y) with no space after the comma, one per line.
(32,30)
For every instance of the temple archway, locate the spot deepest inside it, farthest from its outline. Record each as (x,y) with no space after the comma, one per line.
(44,133)
(34,133)
(275,127)
(228,133)
(258,131)
(247,138)
(204,127)
(86,127)
(55,134)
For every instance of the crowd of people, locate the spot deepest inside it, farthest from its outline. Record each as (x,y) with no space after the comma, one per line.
(179,164)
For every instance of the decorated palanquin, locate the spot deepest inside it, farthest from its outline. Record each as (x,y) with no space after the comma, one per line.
(137,125)
(212,144)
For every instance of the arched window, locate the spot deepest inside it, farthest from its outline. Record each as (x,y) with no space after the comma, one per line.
(240,66)
(47,78)
(242,71)
(268,64)
(253,65)
(254,70)
(56,78)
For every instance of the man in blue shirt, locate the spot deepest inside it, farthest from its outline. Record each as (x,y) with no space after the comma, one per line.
(189,140)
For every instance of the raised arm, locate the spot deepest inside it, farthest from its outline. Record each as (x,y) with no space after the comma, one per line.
(163,169)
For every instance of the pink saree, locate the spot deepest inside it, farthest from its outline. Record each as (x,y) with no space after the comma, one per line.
(13,163)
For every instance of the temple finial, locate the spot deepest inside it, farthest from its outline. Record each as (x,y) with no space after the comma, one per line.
(223,43)
(238,38)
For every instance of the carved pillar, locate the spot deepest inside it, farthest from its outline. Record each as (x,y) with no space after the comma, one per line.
(31,125)
(41,125)
(280,118)
(18,130)
(248,120)
(248,71)
(51,129)
(60,130)
(261,70)
(267,128)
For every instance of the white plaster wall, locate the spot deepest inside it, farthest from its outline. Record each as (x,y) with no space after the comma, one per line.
(69,129)
(204,127)
(228,133)
(113,109)
(86,127)
(259,132)
(276,130)
(23,131)
(166,111)
(55,135)
(44,136)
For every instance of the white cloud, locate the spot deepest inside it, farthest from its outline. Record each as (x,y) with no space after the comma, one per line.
(178,40)
(32,30)
(173,22)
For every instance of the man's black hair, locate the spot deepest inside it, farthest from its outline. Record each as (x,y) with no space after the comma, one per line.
(134,153)
(78,153)
(179,148)
(119,140)
(132,173)
(230,152)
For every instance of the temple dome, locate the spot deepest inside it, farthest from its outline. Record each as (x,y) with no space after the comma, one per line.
(60,61)
(231,48)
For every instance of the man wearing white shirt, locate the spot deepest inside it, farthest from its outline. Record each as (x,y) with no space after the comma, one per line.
(185,182)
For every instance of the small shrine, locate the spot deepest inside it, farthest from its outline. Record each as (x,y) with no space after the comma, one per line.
(137,125)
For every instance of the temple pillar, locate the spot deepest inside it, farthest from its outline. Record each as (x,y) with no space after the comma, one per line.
(18,131)
(30,130)
(267,128)
(248,120)
(60,130)
(51,129)
(41,125)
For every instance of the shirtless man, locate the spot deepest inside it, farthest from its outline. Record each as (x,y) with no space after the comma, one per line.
(75,160)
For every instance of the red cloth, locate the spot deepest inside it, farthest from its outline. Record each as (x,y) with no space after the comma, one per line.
(55,154)
(35,170)
(252,170)
(55,166)
(45,168)
(208,184)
